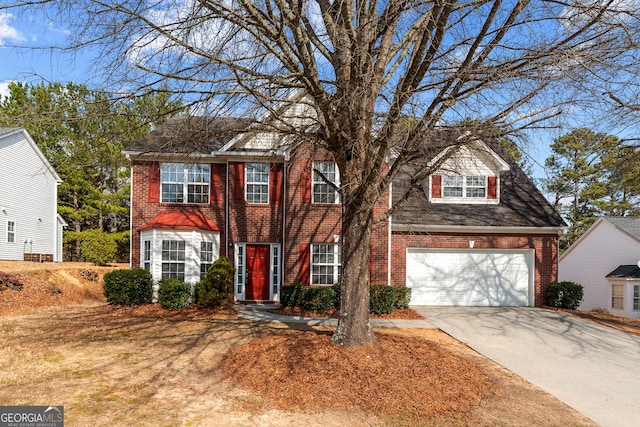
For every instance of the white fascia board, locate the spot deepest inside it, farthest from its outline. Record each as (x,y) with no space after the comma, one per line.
(468,229)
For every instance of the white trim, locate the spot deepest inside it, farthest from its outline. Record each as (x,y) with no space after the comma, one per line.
(475,229)
(240,276)
(257,183)
(479,146)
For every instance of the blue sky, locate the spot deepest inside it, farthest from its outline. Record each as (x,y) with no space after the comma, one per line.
(34,28)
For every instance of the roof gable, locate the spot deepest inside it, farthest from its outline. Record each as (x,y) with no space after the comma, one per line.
(6,132)
(473,157)
(629,226)
(625,272)
(520,205)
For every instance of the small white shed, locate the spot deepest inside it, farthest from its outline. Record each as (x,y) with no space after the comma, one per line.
(609,243)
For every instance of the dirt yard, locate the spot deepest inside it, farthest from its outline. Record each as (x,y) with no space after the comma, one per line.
(146,366)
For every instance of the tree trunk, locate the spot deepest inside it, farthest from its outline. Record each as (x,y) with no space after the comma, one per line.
(354,323)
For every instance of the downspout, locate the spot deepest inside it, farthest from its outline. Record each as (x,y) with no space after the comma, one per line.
(284,222)
(131,214)
(389,245)
(226,213)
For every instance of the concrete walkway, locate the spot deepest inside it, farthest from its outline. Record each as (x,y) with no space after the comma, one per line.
(592,368)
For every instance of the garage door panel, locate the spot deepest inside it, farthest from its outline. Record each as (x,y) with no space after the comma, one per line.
(473,277)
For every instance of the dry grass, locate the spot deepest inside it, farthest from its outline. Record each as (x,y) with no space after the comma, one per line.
(146,366)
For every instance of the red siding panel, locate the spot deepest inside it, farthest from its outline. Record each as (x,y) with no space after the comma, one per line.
(436,186)
(154,182)
(238,182)
(492,187)
(216,183)
(276,183)
(305,264)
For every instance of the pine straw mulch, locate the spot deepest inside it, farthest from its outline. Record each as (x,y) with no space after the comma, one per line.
(399,375)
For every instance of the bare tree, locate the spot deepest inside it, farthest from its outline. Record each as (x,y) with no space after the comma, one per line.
(365,66)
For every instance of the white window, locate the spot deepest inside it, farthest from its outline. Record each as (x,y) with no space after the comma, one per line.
(275,267)
(464,186)
(179,179)
(240,268)
(636,297)
(257,183)
(206,258)
(617,296)
(326,182)
(173,259)
(146,255)
(326,263)
(11,232)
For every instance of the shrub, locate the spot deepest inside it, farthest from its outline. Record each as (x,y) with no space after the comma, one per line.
(128,287)
(98,247)
(401,296)
(565,294)
(292,295)
(174,294)
(381,299)
(217,285)
(319,299)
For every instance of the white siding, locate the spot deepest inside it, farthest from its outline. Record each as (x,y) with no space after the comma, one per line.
(28,193)
(595,255)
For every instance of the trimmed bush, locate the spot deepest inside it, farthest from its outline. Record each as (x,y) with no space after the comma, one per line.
(381,299)
(174,294)
(217,286)
(292,295)
(565,294)
(319,299)
(401,296)
(128,287)
(98,247)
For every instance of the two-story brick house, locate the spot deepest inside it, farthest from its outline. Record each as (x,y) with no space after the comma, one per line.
(479,233)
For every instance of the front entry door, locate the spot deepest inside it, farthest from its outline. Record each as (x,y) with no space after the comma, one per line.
(257,273)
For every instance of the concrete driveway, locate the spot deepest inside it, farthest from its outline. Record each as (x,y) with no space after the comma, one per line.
(593,369)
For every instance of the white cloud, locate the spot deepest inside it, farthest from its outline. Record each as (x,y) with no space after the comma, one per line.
(4,89)
(7,32)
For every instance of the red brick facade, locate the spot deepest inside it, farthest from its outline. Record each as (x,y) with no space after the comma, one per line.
(293,222)
(545,247)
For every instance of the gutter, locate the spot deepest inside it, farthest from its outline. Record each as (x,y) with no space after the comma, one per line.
(475,229)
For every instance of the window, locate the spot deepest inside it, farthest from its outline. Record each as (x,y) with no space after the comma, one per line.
(257,183)
(326,181)
(636,297)
(179,179)
(173,259)
(617,296)
(275,269)
(240,268)
(146,255)
(11,232)
(206,258)
(326,263)
(464,186)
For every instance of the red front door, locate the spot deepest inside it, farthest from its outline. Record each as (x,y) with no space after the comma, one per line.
(257,273)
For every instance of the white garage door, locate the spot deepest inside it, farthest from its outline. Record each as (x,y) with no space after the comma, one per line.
(473,277)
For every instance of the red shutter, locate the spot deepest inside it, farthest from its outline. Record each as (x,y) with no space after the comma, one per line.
(215,189)
(305,264)
(153,175)
(436,186)
(305,182)
(275,179)
(492,187)
(238,182)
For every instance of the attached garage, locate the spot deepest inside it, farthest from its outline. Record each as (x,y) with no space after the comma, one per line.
(470,277)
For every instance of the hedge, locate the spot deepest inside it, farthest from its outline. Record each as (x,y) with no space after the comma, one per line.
(174,294)
(565,294)
(128,287)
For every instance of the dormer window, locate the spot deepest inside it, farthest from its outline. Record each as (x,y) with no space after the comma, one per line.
(463,189)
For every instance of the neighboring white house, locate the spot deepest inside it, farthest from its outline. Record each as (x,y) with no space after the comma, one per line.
(30,227)
(601,260)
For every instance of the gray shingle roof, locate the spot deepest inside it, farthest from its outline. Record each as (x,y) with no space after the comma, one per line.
(628,224)
(625,272)
(190,135)
(521,203)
